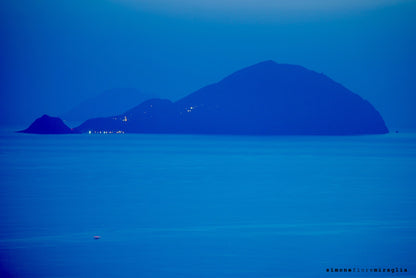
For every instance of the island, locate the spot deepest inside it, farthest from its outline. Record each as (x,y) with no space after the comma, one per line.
(267,98)
(48,125)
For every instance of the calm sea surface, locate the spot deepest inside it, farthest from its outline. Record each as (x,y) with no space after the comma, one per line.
(206,206)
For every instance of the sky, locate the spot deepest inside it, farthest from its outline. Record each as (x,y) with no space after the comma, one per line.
(55,54)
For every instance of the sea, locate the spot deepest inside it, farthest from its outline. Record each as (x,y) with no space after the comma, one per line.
(145,205)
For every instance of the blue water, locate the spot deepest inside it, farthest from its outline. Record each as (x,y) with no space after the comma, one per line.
(206,206)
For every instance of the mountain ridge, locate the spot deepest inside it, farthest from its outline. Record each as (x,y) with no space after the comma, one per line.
(110,102)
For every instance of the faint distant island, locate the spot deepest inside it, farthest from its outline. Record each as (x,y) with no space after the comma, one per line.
(108,103)
(264,99)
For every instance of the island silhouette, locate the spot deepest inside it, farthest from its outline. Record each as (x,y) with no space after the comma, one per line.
(264,99)
(48,125)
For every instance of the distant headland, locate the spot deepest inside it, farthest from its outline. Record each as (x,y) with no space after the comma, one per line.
(264,99)
(48,125)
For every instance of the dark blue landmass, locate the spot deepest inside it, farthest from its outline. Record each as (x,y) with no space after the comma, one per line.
(264,99)
(48,125)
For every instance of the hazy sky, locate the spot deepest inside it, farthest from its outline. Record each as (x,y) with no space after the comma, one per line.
(55,54)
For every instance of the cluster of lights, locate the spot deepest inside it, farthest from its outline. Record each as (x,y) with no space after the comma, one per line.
(124,119)
(105,132)
(190,109)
